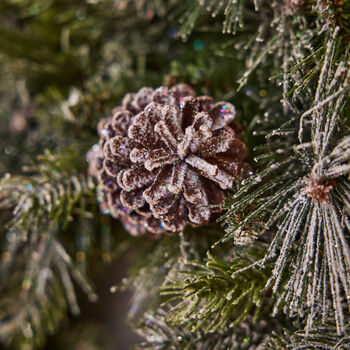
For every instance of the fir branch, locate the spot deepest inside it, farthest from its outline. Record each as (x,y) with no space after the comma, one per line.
(322,336)
(161,335)
(233,11)
(210,298)
(310,247)
(40,296)
(34,262)
(284,33)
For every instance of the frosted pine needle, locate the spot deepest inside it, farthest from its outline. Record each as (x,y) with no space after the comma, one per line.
(45,271)
(306,198)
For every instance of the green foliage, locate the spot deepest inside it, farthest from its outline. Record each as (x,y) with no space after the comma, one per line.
(36,271)
(27,317)
(310,233)
(160,259)
(161,335)
(48,195)
(210,297)
(163,259)
(234,12)
(284,33)
(321,337)
(67,64)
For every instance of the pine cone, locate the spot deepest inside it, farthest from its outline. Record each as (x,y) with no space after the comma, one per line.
(165,157)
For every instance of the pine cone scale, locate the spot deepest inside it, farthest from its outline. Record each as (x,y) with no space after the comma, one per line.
(166,134)
(159,189)
(132,200)
(222,114)
(135,178)
(193,190)
(177,177)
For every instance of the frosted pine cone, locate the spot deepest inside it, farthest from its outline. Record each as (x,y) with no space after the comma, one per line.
(165,157)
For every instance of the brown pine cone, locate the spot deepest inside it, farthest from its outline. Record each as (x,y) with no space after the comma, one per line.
(165,157)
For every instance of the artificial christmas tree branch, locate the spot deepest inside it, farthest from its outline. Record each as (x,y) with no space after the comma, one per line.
(283,261)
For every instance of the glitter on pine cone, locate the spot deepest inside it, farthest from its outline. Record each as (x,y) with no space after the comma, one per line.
(165,158)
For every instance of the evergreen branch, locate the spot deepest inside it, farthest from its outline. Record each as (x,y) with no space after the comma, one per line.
(310,247)
(161,335)
(282,30)
(78,58)
(167,256)
(210,298)
(322,336)
(41,294)
(34,262)
(233,11)
(39,199)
